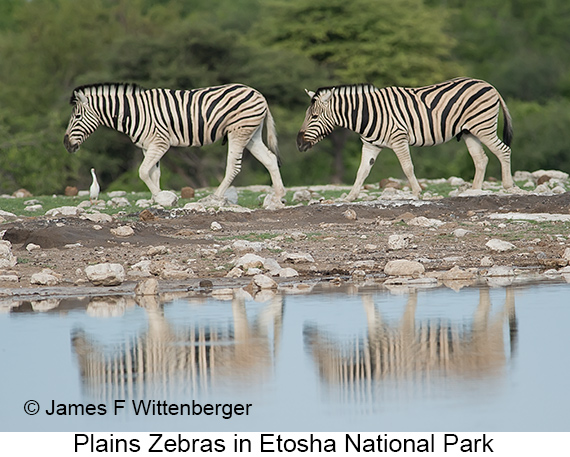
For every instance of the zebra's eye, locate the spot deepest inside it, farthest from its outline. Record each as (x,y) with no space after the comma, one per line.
(77,116)
(314,116)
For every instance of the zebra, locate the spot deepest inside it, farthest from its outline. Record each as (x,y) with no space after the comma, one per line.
(157,119)
(399,117)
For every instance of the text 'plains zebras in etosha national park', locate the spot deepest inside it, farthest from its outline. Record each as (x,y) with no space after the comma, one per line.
(157,119)
(400,117)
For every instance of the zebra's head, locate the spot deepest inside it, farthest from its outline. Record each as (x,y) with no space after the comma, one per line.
(82,123)
(319,119)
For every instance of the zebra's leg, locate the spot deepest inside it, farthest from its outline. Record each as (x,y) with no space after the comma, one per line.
(146,172)
(236,144)
(503,153)
(480,159)
(402,150)
(269,161)
(369,154)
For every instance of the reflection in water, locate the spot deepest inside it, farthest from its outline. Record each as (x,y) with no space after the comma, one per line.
(414,350)
(168,360)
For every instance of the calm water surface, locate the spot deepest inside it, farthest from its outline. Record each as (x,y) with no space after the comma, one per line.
(347,360)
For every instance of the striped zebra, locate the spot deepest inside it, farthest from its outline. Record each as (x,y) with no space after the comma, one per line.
(400,117)
(157,119)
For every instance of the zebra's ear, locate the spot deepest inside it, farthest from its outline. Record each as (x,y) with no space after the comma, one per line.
(80,97)
(310,93)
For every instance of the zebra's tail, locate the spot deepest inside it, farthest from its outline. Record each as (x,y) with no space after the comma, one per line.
(272,135)
(507,124)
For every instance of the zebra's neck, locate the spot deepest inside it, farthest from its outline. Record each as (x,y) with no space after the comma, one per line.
(352,105)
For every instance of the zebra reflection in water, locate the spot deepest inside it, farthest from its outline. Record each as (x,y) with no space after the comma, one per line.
(167,360)
(416,351)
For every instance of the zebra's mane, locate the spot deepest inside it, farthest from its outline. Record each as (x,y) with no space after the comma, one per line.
(92,88)
(346,88)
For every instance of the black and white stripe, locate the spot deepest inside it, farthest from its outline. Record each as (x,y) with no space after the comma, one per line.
(157,119)
(399,117)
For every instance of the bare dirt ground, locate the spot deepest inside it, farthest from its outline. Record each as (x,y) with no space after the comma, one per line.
(343,247)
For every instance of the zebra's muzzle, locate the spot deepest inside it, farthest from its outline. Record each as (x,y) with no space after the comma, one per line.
(302,143)
(68,145)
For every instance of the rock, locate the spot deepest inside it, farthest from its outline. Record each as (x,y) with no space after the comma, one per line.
(98,217)
(195,206)
(422,221)
(499,245)
(8,277)
(118,202)
(65,211)
(389,182)
(244,245)
(264,282)
(165,198)
(157,250)
(143,203)
(487,262)
(460,233)
(170,271)
(116,193)
(105,274)
(147,287)
(350,214)
(32,247)
(358,274)
(253,271)
(272,267)
(7,259)
(298,236)
(566,254)
(33,208)
(404,268)
(501,271)
(397,241)
(216,226)
(187,192)
(235,272)
(455,181)
(45,278)
(302,195)
(71,191)
(123,231)
(288,272)
(231,195)
(552,174)
(297,257)
(250,261)
(6,214)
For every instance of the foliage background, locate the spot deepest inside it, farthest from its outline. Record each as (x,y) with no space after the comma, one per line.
(280,47)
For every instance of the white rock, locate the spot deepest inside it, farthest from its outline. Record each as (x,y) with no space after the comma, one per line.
(216,226)
(117,193)
(157,250)
(264,282)
(250,261)
(65,211)
(552,174)
(501,271)
(7,214)
(487,262)
(9,277)
(166,198)
(105,274)
(33,208)
(458,274)
(7,259)
(297,257)
(422,221)
(32,247)
(288,272)
(253,271)
(499,245)
(298,236)
(143,265)
(123,231)
(235,272)
(460,233)
(244,245)
(302,195)
(97,217)
(118,202)
(143,203)
(404,268)
(455,181)
(271,266)
(397,241)
(195,206)
(44,278)
(566,254)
